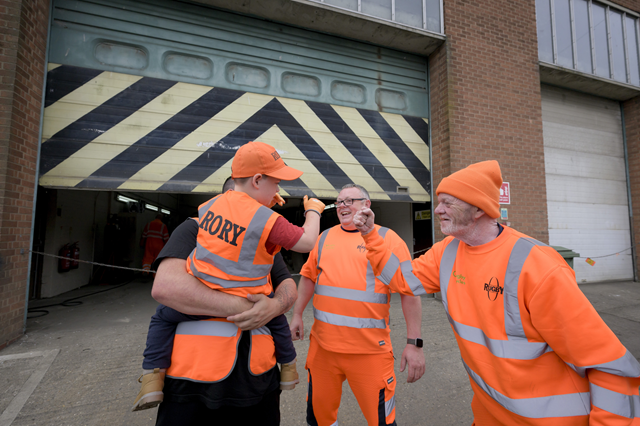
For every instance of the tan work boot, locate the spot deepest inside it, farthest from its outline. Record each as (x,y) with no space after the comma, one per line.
(288,376)
(150,394)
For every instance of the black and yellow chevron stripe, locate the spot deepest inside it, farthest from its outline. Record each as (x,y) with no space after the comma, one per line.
(111,131)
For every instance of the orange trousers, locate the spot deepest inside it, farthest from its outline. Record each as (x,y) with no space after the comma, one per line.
(370,376)
(152,249)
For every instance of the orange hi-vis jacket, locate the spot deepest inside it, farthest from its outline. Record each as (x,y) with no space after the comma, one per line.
(350,305)
(230,256)
(535,349)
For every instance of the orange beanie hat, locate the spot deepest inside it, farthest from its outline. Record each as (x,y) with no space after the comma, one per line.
(478,184)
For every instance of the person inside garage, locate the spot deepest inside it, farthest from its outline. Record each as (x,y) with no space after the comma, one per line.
(154,236)
(535,349)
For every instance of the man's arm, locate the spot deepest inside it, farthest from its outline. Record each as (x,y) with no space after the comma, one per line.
(412,278)
(567,321)
(305,292)
(412,355)
(173,286)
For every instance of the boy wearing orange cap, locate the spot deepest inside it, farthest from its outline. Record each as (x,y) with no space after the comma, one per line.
(238,237)
(536,351)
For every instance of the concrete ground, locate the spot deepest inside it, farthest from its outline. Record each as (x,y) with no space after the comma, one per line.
(78,365)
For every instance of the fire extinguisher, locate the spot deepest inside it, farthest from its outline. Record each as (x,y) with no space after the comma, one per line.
(64,263)
(75,255)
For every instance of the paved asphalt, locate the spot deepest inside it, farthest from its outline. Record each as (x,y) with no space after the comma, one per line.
(78,365)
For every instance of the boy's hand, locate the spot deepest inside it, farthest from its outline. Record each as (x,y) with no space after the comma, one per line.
(277,199)
(313,204)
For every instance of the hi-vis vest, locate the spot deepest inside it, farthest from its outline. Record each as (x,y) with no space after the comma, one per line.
(485,359)
(206,351)
(230,256)
(350,306)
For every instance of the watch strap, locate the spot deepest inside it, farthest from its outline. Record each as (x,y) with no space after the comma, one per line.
(416,342)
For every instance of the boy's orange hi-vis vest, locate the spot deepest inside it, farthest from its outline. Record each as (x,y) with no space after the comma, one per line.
(230,256)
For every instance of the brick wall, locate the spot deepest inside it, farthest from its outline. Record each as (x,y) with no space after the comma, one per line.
(486,104)
(22,62)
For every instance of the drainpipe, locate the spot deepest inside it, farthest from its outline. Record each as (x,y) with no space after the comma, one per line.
(433,232)
(626,165)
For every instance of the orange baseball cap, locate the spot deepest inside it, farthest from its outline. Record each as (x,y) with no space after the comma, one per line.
(258,157)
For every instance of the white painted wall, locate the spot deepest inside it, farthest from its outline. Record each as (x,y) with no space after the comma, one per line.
(83,216)
(586,182)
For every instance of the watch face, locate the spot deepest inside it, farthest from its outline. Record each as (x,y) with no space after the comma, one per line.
(419,343)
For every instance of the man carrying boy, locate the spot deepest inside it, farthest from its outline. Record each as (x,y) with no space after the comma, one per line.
(241,236)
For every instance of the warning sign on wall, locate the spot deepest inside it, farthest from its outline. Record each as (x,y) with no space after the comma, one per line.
(505,193)
(423,215)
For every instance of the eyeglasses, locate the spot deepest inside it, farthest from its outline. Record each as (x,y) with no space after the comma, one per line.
(348,201)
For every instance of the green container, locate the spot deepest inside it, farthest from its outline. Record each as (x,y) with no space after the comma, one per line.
(568,254)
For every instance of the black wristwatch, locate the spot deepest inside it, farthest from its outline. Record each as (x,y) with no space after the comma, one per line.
(416,342)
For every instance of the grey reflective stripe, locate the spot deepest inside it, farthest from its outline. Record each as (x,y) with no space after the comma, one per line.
(261,331)
(244,267)
(446,269)
(207,328)
(414,283)
(222,282)
(389,269)
(625,366)
(345,321)
(613,402)
(382,231)
(323,237)
(513,349)
(566,405)
(203,210)
(389,406)
(351,294)
(512,319)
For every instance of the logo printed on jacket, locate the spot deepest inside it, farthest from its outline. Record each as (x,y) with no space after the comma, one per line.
(362,248)
(459,278)
(493,289)
(213,225)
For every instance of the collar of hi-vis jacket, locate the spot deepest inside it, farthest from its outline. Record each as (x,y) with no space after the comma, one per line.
(244,267)
(518,347)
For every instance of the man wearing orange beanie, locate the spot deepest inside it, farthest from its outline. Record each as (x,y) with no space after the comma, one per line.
(536,351)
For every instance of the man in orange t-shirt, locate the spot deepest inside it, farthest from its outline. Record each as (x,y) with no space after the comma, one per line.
(536,351)
(349,339)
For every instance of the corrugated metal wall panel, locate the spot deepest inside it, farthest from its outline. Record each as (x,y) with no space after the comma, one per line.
(181,41)
(157,96)
(586,182)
